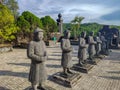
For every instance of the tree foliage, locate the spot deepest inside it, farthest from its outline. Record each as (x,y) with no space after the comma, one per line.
(88,27)
(27,22)
(32,19)
(7,25)
(75,25)
(13,6)
(49,25)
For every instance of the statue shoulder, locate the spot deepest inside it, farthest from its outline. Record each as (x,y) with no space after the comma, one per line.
(31,42)
(43,42)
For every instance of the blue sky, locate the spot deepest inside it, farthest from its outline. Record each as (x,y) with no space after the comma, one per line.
(100,11)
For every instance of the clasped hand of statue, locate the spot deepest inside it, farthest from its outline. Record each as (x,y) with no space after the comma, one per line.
(43,57)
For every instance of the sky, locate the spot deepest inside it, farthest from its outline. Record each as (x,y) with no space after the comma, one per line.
(99,11)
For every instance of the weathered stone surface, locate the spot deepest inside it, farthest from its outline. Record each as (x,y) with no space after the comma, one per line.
(68,81)
(14,69)
(83,69)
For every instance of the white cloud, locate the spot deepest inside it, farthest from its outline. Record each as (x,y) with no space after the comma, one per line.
(91,10)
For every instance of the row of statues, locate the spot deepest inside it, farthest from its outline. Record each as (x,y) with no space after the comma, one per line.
(37,53)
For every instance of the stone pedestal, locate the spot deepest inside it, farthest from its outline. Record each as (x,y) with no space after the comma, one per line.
(99,57)
(93,62)
(83,69)
(68,81)
(44,88)
(97,60)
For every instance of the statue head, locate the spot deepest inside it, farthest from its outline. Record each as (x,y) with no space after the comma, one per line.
(38,34)
(59,15)
(92,33)
(83,34)
(67,34)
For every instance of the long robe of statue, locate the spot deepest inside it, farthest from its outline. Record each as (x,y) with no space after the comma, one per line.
(91,47)
(82,50)
(66,52)
(37,53)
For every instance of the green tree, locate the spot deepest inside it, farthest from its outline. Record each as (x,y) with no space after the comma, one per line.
(13,6)
(7,25)
(75,23)
(27,23)
(24,26)
(49,25)
(32,19)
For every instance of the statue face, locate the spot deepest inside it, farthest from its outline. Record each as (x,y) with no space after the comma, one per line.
(40,35)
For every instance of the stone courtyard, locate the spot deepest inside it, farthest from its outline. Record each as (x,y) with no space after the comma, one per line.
(14,69)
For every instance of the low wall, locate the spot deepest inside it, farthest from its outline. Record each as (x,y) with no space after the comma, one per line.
(50,43)
(74,42)
(5,48)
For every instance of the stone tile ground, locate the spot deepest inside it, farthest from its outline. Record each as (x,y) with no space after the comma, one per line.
(14,69)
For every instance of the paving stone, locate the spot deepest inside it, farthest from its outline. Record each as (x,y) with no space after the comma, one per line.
(14,69)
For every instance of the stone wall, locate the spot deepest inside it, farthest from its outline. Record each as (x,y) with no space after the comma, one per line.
(5,48)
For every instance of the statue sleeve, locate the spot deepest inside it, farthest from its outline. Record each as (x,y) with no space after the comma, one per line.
(64,47)
(30,52)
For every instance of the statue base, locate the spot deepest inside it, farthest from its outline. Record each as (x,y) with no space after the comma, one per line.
(83,69)
(46,88)
(93,62)
(68,81)
(99,57)
(97,60)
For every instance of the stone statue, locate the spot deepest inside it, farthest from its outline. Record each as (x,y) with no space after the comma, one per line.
(98,44)
(60,23)
(37,53)
(82,51)
(91,47)
(104,44)
(67,49)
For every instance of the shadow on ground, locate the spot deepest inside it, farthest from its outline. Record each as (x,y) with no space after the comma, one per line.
(28,65)
(54,59)
(21,64)
(111,77)
(115,72)
(16,74)
(3,88)
(53,66)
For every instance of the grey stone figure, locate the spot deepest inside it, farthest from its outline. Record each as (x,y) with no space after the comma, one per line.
(104,44)
(98,44)
(82,51)
(60,23)
(91,47)
(37,53)
(67,49)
